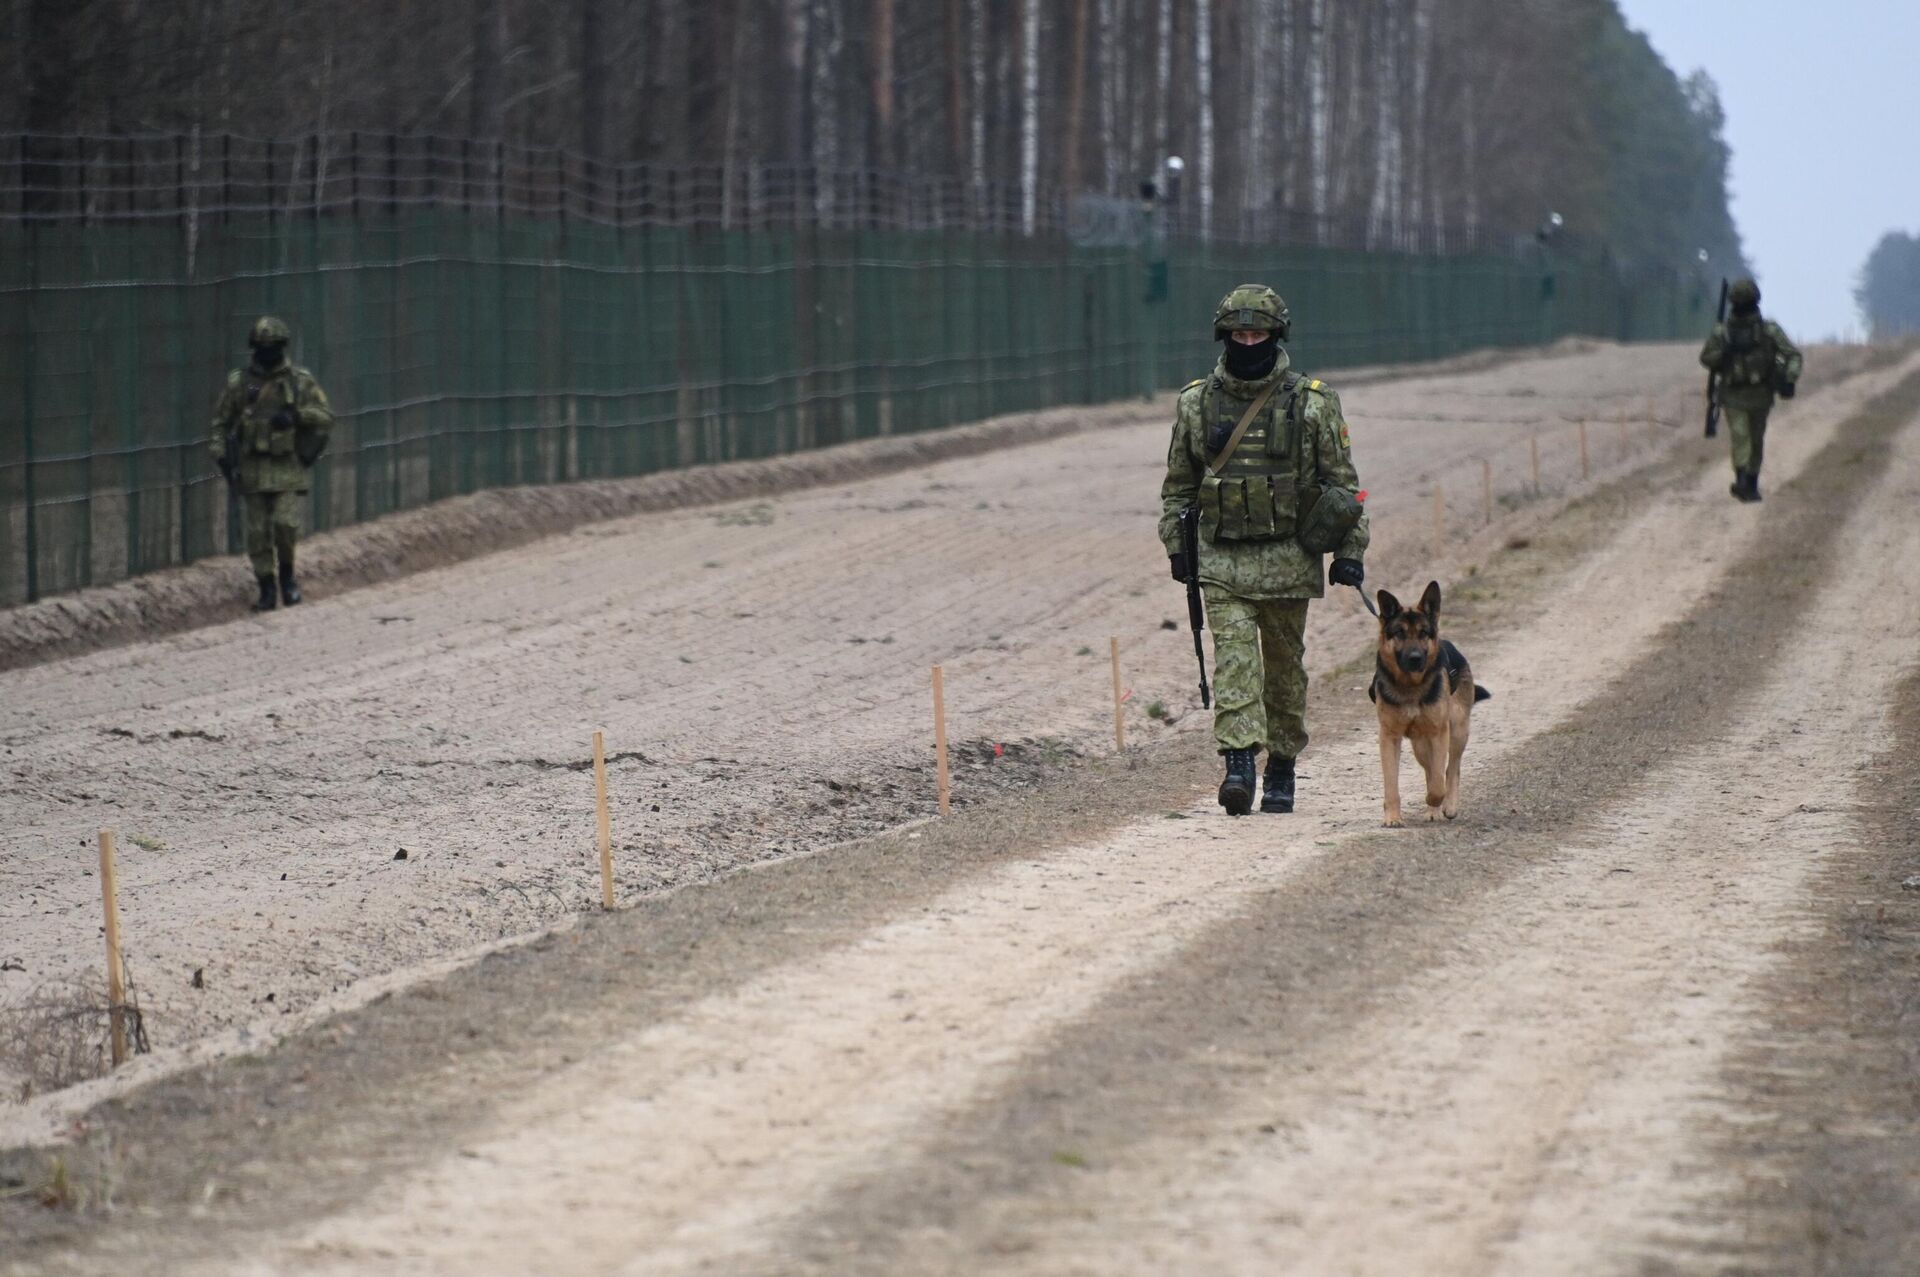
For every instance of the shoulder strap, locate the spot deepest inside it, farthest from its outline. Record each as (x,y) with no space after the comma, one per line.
(1219,463)
(1304,470)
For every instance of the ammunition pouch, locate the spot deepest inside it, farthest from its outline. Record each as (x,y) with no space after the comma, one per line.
(1246,507)
(308,444)
(1327,515)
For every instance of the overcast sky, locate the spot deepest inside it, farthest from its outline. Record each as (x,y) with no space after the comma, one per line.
(1821,101)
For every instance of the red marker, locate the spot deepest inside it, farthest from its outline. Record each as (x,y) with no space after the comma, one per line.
(1360,495)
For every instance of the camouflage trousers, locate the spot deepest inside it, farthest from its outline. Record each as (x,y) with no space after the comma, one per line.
(273,529)
(1259,672)
(1747,430)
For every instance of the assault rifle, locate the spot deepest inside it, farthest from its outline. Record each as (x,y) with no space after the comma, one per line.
(230,457)
(1196,615)
(1713,376)
(230,471)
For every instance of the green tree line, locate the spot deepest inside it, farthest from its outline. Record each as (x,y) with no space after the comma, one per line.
(1888,293)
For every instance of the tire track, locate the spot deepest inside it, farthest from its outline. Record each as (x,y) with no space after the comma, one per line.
(1340,945)
(328,718)
(600,1136)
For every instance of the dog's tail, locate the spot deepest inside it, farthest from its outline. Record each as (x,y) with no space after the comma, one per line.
(1480,693)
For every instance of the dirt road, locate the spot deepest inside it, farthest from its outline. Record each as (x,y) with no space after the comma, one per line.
(1100,1029)
(760,671)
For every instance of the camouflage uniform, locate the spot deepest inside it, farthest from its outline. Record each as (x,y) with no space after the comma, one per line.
(276,421)
(1256,576)
(1752,358)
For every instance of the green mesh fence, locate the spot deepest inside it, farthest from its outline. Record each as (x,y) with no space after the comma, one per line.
(464,351)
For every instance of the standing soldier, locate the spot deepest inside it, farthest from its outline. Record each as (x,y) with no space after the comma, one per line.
(1263,455)
(269,427)
(1752,360)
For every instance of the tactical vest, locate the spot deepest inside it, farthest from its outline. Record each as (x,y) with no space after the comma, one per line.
(1255,496)
(263,397)
(1750,354)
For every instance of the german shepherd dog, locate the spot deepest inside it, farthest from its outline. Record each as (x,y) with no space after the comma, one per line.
(1423,691)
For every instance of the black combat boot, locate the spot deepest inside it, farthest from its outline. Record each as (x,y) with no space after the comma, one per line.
(1753,485)
(1746,485)
(1236,791)
(1277,795)
(269,595)
(289,588)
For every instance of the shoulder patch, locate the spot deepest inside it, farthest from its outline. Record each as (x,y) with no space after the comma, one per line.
(1197,381)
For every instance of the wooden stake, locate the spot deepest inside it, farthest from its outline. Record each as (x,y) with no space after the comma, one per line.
(1586,468)
(1486,487)
(116,971)
(605,818)
(1439,521)
(1533,446)
(940,737)
(1119,718)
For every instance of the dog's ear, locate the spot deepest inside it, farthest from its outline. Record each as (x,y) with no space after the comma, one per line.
(1430,600)
(1389,607)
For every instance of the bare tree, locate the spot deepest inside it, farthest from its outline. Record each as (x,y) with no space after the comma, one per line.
(487,94)
(1320,126)
(1203,107)
(1029,113)
(1076,96)
(881,38)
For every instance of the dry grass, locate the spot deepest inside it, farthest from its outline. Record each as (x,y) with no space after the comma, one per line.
(62,1034)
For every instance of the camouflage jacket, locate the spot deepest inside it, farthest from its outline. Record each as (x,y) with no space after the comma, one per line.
(1751,362)
(269,456)
(1277,567)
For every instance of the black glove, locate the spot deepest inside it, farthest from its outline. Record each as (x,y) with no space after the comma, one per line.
(285,419)
(1347,572)
(1179,564)
(1787,389)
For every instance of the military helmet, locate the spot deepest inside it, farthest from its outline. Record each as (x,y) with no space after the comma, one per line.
(1743,294)
(1252,306)
(269,331)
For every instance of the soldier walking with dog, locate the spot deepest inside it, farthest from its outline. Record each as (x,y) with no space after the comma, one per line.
(1261,472)
(1751,360)
(269,428)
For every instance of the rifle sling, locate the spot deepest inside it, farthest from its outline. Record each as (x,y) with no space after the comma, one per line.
(1219,463)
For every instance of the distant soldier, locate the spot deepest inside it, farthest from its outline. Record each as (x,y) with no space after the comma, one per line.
(1752,360)
(1263,456)
(269,427)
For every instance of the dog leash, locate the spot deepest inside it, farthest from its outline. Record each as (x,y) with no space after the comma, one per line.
(1369,602)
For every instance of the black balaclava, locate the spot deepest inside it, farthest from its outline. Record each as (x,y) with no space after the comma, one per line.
(268,356)
(1251,363)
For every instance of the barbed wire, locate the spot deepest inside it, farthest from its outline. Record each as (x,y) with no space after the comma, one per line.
(197,177)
